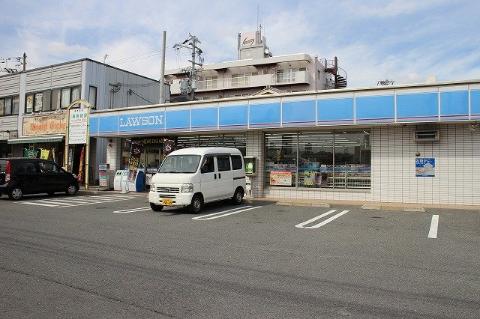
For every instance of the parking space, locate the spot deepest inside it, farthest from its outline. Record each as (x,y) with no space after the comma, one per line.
(256,250)
(337,224)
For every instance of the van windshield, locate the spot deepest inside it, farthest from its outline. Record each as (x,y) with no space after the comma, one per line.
(180,164)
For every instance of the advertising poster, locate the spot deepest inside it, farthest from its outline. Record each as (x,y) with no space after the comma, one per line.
(280,178)
(309,178)
(136,151)
(425,167)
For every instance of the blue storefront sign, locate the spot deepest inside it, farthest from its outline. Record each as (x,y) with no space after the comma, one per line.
(306,110)
(425,167)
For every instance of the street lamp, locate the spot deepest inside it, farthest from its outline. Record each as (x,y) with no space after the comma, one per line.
(89,106)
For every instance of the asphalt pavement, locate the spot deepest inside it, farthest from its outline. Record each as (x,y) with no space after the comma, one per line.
(110,256)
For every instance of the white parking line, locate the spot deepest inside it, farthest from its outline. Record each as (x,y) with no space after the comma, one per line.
(39,204)
(132,210)
(65,202)
(326,221)
(315,218)
(225,213)
(433,227)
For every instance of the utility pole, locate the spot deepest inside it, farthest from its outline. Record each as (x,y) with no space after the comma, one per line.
(24,59)
(191,43)
(162,68)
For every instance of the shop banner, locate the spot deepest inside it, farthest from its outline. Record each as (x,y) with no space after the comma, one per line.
(78,126)
(168,146)
(44,153)
(30,152)
(136,151)
(44,125)
(425,167)
(280,178)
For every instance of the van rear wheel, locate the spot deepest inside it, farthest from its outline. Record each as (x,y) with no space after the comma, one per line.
(238,196)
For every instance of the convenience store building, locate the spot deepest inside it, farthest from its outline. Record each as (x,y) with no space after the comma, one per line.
(404,144)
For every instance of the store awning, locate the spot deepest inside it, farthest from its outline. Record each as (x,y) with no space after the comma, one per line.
(37,139)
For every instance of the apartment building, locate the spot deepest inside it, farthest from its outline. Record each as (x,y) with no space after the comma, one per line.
(258,72)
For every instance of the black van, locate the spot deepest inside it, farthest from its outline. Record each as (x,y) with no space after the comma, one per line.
(19,176)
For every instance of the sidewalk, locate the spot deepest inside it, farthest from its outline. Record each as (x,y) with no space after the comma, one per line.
(94,190)
(364,205)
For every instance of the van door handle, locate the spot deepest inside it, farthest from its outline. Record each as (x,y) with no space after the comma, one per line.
(219,175)
(214,176)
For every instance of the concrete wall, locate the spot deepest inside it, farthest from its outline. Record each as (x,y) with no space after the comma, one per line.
(456,181)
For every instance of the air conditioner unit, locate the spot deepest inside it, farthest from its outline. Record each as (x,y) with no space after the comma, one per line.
(427,136)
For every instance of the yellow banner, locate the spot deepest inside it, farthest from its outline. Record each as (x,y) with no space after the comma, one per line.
(44,153)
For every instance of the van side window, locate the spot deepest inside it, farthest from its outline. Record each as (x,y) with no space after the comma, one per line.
(30,168)
(48,167)
(208,165)
(236,162)
(223,162)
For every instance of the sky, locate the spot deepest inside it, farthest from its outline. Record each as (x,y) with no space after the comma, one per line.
(400,40)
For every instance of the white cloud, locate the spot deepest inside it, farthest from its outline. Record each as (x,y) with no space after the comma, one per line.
(401,40)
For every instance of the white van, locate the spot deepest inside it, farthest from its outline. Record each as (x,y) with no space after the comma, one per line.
(195,176)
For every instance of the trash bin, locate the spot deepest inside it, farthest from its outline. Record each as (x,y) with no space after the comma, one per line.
(120,177)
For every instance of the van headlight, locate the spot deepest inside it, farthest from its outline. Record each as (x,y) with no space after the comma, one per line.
(186,188)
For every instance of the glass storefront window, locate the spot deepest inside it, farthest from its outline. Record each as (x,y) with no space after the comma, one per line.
(352,160)
(281,159)
(325,159)
(315,159)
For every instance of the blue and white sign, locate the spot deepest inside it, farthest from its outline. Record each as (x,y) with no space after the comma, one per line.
(141,121)
(425,167)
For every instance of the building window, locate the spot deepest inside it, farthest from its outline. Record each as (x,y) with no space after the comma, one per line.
(210,82)
(75,94)
(56,99)
(65,100)
(16,104)
(318,159)
(8,106)
(92,95)
(29,103)
(46,100)
(38,102)
(239,80)
(2,107)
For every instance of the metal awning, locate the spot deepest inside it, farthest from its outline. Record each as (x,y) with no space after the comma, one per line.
(37,139)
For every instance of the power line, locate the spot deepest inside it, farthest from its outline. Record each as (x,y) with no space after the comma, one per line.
(136,57)
(130,91)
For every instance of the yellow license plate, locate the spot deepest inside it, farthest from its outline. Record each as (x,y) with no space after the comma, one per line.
(167,202)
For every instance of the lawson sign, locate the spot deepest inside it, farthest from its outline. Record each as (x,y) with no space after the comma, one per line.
(134,122)
(400,105)
(144,121)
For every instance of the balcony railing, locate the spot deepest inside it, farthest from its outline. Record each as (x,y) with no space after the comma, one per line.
(298,77)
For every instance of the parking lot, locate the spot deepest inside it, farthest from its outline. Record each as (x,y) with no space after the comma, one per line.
(112,253)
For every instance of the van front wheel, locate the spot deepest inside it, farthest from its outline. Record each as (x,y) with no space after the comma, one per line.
(197,204)
(238,196)
(156,208)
